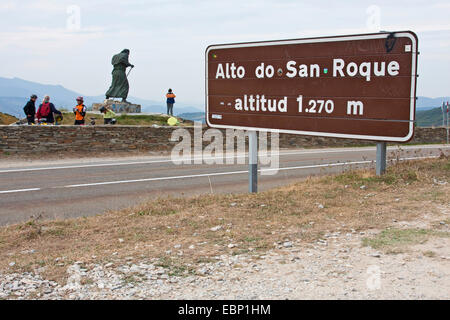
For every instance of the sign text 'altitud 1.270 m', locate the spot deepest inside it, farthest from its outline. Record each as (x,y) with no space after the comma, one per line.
(358,86)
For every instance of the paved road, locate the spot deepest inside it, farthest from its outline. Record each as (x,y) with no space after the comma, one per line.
(62,189)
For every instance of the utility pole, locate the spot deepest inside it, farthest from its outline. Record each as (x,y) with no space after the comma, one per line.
(443,114)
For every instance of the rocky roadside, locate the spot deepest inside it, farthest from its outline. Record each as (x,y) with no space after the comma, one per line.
(335,267)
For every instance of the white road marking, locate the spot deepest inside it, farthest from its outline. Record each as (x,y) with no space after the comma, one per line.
(234,172)
(215,174)
(20,190)
(212,174)
(212,158)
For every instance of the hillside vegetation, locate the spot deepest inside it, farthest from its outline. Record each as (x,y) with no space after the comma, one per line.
(429,118)
(6,119)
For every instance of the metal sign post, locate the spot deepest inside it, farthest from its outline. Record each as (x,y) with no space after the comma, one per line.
(252,162)
(381,158)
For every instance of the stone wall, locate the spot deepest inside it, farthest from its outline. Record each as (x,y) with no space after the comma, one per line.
(51,140)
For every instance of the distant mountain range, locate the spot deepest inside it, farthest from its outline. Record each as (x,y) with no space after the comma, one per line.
(424,103)
(193,116)
(15,92)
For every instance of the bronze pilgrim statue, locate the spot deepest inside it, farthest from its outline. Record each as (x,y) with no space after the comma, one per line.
(119,86)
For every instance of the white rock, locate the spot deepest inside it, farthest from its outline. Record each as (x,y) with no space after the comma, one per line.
(204,270)
(376,255)
(134,268)
(216,228)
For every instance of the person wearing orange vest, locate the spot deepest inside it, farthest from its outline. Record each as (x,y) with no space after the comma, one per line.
(80,112)
(170,101)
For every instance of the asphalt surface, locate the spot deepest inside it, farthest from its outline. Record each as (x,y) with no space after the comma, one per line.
(74,188)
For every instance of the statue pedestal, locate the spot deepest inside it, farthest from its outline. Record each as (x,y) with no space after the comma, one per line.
(118,106)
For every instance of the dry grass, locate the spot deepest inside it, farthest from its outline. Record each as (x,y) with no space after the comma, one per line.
(6,119)
(393,238)
(126,119)
(253,223)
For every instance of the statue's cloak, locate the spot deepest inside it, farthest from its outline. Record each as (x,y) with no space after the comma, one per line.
(119,86)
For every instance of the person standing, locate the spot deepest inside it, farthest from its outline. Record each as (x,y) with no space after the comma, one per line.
(30,109)
(108,115)
(80,112)
(170,101)
(46,110)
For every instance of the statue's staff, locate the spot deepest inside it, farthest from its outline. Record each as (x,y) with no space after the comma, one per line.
(130,70)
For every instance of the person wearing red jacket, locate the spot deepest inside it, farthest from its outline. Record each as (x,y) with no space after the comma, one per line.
(46,110)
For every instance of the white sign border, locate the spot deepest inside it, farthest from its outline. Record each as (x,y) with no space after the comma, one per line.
(408,34)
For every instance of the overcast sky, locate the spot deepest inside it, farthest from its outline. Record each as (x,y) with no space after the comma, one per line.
(44,41)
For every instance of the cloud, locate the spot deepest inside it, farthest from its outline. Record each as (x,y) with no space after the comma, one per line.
(168,37)
(7,6)
(49,6)
(345,31)
(441,5)
(41,39)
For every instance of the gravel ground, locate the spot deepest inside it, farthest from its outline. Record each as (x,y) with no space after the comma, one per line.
(335,267)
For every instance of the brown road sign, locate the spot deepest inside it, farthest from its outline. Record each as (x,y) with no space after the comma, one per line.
(358,86)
